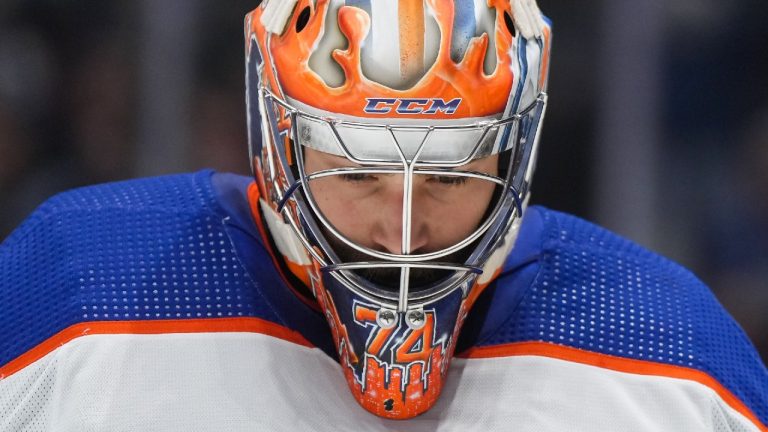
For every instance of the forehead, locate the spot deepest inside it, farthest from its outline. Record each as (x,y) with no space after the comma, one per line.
(321,160)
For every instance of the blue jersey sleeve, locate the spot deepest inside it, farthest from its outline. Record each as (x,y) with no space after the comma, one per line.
(150,249)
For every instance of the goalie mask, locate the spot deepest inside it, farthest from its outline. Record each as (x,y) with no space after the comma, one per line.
(395,119)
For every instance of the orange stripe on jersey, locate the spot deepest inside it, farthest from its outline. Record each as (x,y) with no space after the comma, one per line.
(619,364)
(211,325)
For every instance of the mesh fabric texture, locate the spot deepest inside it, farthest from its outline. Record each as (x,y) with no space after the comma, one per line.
(149,249)
(599,292)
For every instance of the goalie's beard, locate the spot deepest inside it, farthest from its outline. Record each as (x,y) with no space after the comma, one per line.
(389,278)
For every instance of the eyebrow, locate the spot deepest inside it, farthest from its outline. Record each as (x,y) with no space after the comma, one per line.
(342,162)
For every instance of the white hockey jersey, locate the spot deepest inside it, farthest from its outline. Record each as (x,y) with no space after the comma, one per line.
(154,305)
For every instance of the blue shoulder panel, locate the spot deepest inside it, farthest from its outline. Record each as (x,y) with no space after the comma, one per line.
(247,244)
(598,292)
(150,249)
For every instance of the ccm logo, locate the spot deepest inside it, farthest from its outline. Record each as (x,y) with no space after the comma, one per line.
(411,106)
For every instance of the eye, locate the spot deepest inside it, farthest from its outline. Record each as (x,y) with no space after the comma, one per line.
(448,180)
(357,177)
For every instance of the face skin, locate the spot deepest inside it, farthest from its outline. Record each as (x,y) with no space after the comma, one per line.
(368,209)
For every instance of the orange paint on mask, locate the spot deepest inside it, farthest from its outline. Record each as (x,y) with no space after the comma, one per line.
(412,384)
(407,392)
(289,53)
(411,16)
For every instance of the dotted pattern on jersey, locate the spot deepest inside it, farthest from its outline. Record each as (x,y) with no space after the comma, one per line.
(25,401)
(147,249)
(598,292)
(723,421)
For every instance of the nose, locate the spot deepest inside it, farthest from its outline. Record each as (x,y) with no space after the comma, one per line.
(389,221)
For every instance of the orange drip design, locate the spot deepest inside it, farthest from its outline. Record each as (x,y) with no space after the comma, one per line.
(411,15)
(383,393)
(289,53)
(405,389)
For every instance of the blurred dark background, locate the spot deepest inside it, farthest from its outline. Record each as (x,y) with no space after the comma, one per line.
(657,126)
